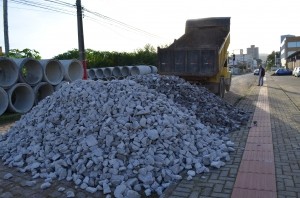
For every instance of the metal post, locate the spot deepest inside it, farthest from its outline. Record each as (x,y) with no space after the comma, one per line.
(5,23)
(81,38)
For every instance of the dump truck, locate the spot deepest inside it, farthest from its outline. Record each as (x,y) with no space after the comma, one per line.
(200,55)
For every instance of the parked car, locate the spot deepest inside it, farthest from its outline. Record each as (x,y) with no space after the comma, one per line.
(296,71)
(282,71)
(256,72)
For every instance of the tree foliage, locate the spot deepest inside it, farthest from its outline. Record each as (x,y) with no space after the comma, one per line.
(271,59)
(25,53)
(147,56)
(95,59)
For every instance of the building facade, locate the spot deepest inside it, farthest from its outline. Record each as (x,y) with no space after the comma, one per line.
(253,52)
(293,60)
(290,44)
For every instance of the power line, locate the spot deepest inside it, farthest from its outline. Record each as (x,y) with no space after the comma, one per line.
(61,3)
(43,6)
(60,7)
(120,23)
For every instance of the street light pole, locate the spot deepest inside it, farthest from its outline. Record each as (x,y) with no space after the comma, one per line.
(5,23)
(81,38)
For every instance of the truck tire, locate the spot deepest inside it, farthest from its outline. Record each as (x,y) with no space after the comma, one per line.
(228,84)
(222,88)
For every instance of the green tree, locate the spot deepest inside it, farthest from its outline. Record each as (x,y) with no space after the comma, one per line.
(271,60)
(71,54)
(25,53)
(95,59)
(147,56)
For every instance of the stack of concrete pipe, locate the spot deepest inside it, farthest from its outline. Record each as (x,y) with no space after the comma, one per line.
(24,82)
(120,72)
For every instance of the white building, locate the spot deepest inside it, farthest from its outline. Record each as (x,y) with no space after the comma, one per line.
(246,59)
(253,51)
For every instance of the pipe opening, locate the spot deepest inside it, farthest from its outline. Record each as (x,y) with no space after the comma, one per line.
(8,73)
(3,101)
(43,90)
(31,72)
(21,98)
(53,72)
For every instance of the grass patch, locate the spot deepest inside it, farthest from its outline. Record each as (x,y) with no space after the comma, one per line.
(9,117)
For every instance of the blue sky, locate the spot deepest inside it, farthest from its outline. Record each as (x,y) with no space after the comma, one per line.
(259,23)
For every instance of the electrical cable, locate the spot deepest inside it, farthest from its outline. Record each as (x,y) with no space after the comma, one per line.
(64,7)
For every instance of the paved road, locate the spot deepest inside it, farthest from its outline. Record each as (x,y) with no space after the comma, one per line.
(284,96)
(290,86)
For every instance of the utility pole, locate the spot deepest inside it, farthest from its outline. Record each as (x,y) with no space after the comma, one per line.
(80,38)
(5,22)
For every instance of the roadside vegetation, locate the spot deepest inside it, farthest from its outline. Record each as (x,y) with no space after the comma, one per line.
(96,59)
(270,62)
(9,118)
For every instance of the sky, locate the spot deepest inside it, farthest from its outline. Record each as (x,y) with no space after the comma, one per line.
(154,22)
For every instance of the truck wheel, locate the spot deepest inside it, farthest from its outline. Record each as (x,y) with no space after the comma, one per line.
(227,86)
(222,88)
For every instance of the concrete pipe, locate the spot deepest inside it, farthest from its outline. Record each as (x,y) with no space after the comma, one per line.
(125,70)
(3,101)
(73,70)
(53,71)
(104,79)
(9,72)
(99,73)
(153,69)
(92,74)
(30,71)
(107,72)
(108,78)
(140,70)
(20,98)
(42,90)
(116,72)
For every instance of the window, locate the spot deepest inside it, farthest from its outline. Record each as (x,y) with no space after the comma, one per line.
(294,44)
(290,52)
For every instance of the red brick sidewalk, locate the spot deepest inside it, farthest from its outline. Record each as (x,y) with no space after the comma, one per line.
(256,174)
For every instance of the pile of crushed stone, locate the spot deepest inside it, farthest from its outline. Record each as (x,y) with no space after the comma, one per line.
(119,137)
(210,109)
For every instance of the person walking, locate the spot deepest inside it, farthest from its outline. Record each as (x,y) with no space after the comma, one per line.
(261,75)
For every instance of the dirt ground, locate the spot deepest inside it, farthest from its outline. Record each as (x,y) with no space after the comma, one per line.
(4,127)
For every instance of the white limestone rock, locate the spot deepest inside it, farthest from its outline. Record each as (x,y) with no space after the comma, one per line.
(106,188)
(70,194)
(217,164)
(191,173)
(45,185)
(61,189)
(120,190)
(7,176)
(132,194)
(30,183)
(91,190)
(148,128)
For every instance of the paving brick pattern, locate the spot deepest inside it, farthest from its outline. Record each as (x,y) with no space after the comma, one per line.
(256,175)
(286,140)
